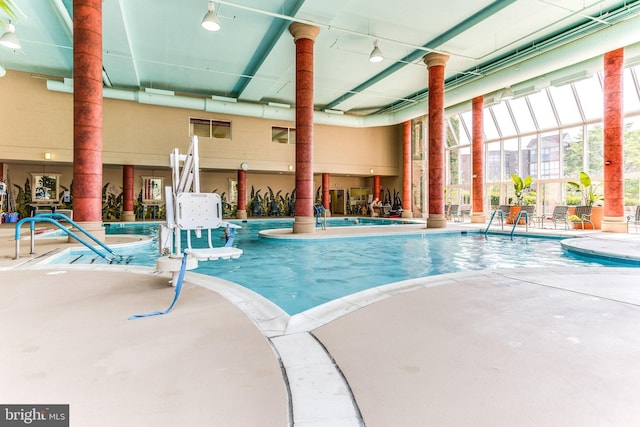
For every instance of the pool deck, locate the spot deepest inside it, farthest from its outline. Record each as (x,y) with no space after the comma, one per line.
(525,347)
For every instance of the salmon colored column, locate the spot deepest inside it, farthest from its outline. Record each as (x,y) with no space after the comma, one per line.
(127,193)
(477,161)
(304,37)
(435,64)
(87,115)
(376,187)
(613,219)
(407,202)
(326,194)
(241,211)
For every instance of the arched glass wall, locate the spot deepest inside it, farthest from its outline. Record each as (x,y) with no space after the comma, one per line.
(551,135)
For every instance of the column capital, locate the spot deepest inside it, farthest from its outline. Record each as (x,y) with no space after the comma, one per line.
(435,58)
(303,31)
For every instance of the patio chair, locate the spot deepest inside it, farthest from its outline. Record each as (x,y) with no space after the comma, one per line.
(453,213)
(582,215)
(529,209)
(634,220)
(465,211)
(559,214)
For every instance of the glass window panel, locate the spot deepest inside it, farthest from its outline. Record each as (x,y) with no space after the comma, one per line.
(510,156)
(200,127)
(465,164)
(282,135)
(631,194)
(465,137)
(572,152)
(550,196)
(454,167)
(503,118)
(466,122)
(529,156)
(489,126)
(453,131)
(631,146)
(595,151)
(465,195)
(522,114)
(492,161)
(630,92)
(590,96)
(542,110)
(494,196)
(566,105)
(549,155)
(221,129)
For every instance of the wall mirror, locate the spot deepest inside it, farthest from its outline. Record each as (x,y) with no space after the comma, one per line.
(152,190)
(45,187)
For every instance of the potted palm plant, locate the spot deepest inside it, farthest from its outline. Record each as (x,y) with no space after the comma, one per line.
(520,188)
(590,197)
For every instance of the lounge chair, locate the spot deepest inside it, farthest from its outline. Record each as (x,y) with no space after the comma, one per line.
(582,215)
(529,209)
(559,214)
(634,220)
(465,211)
(453,214)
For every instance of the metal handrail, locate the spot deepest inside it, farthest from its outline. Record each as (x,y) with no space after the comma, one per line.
(320,209)
(501,215)
(526,222)
(49,218)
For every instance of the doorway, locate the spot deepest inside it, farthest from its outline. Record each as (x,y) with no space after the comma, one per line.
(337,202)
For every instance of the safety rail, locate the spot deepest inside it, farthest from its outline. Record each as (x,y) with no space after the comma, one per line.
(50,218)
(498,212)
(320,210)
(517,221)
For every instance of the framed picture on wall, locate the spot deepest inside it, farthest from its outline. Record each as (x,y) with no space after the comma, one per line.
(152,190)
(45,187)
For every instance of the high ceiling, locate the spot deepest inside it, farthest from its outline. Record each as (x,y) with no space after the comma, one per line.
(160,44)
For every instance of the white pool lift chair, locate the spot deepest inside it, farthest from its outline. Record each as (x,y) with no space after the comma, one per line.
(193,212)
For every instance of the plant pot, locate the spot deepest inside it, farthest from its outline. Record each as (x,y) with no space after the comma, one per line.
(513,215)
(597,212)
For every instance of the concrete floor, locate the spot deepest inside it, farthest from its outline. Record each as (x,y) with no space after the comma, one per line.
(535,347)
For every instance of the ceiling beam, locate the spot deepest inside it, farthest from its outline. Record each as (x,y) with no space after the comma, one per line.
(463,26)
(262,52)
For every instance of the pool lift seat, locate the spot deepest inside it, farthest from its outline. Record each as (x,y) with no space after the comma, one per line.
(193,212)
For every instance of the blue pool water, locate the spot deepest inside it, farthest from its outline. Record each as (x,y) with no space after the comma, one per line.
(301,274)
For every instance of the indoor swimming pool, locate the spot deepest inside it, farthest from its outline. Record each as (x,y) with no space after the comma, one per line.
(301,274)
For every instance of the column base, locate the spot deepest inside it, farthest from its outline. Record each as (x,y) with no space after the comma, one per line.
(241,214)
(128,216)
(304,224)
(614,224)
(95,228)
(478,218)
(406,214)
(436,221)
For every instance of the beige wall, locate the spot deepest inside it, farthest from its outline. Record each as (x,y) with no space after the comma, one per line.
(34,120)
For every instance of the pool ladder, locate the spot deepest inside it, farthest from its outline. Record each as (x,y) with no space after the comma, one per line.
(500,213)
(109,255)
(320,210)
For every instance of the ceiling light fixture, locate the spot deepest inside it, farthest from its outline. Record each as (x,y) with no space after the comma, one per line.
(376,53)
(210,21)
(9,39)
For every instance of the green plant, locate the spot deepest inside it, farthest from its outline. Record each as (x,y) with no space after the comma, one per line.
(520,187)
(589,195)
(22,200)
